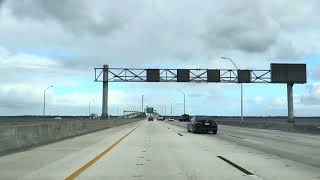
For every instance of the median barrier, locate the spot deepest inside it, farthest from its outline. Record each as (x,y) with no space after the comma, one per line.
(17,137)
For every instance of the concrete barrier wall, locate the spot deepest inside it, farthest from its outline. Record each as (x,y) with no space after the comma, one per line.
(15,137)
(305,128)
(314,129)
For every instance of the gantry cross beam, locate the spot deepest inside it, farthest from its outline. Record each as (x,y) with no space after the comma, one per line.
(171,75)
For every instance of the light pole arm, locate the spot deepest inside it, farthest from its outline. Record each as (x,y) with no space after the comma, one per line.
(44,102)
(182,92)
(234,64)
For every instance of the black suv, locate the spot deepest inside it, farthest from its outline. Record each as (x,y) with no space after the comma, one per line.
(184,118)
(202,124)
(150,118)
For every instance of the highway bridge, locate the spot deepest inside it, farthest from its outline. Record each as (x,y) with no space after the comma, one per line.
(165,150)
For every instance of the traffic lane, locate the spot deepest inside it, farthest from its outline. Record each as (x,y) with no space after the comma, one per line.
(278,134)
(292,146)
(303,138)
(154,151)
(40,162)
(246,154)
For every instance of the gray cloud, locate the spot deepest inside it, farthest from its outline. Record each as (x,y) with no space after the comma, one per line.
(76,36)
(1,2)
(286,51)
(241,26)
(265,27)
(111,32)
(76,16)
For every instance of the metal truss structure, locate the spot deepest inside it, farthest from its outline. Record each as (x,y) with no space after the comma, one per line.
(170,75)
(279,73)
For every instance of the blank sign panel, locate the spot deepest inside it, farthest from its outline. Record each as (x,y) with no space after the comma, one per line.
(288,73)
(183,75)
(213,75)
(244,76)
(153,75)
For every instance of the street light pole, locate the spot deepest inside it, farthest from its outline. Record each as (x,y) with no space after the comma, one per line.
(165,110)
(184,102)
(44,103)
(142,104)
(90,106)
(241,102)
(117,111)
(240,85)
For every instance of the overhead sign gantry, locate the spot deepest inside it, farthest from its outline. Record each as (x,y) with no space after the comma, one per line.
(289,74)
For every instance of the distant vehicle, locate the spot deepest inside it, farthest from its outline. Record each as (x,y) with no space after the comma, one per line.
(150,118)
(184,117)
(202,124)
(160,118)
(93,116)
(57,118)
(170,119)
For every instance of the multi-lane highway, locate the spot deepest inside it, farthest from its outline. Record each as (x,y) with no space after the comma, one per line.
(159,150)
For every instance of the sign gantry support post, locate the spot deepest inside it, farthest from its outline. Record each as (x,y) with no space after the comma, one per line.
(290,102)
(105,72)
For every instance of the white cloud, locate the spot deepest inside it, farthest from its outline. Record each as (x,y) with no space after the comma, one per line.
(76,36)
(281,101)
(312,97)
(27,61)
(169,31)
(28,98)
(259,99)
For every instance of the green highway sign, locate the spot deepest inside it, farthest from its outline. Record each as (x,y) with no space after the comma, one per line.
(149,109)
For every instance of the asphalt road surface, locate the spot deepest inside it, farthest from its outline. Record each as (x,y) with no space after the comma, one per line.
(159,150)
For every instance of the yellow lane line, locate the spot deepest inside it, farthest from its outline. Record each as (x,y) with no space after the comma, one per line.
(94,160)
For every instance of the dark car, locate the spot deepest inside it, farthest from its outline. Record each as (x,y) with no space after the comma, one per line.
(150,118)
(184,118)
(202,124)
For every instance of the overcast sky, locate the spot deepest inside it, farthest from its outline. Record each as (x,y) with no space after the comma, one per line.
(59,42)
